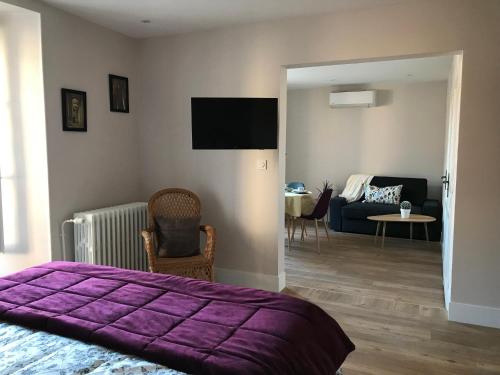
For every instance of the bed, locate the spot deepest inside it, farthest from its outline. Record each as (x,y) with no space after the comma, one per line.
(46,353)
(80,318)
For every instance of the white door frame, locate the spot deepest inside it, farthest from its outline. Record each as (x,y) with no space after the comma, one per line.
(450,172)
(282,156)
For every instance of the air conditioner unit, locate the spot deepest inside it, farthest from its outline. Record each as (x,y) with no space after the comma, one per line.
(353,99)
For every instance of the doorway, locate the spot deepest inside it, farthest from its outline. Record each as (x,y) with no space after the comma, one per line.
(442,188)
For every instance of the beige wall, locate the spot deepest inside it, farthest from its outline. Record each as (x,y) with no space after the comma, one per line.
(23,147)
(247,60)
(402,136)
(100,167)
(240,201)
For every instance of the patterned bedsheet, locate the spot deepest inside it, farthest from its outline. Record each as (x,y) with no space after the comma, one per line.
(27,352)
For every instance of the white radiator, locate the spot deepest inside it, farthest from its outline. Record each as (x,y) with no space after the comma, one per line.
(112,236)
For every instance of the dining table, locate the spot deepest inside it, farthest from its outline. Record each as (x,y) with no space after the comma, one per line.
(296,205)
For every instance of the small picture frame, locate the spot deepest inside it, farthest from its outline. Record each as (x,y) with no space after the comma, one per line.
(74,110)
(118,94)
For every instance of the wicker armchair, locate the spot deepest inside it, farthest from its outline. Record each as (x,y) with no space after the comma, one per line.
(178,203)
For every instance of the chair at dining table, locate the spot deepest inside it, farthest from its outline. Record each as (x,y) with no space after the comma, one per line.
(290,220)
(318,213)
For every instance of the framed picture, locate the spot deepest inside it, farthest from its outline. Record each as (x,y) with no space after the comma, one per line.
(74,110)
(118,94)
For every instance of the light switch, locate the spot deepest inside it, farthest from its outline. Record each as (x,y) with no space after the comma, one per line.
(261,164)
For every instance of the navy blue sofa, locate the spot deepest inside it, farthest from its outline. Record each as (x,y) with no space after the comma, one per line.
(352,217)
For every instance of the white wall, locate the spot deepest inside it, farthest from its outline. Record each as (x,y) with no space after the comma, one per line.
(101,167)
(23,151)
(402,136)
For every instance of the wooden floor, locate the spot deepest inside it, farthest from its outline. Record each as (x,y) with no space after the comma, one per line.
(390,303)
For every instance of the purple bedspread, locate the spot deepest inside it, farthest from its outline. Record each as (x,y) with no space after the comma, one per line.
(189,325)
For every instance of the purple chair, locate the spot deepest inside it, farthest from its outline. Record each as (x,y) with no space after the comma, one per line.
(318,213)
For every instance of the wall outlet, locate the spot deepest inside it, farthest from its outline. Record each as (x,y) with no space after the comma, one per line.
(261,164)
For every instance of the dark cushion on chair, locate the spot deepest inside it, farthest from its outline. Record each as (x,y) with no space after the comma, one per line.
(414,189)
(360,210)
(178,237)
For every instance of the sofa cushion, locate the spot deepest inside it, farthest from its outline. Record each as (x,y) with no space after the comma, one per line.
(414,189)
(361,210)
(387,194)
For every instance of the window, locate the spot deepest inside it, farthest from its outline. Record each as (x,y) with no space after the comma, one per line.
(2,246)
(4,110)
(24,199)
(4,188)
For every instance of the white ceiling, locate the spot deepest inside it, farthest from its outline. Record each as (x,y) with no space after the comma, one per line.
(180,16)
(407,70)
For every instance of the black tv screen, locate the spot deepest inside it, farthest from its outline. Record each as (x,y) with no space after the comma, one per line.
(234,123)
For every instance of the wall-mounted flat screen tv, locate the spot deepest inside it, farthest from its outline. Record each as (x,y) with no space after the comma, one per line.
(234,123)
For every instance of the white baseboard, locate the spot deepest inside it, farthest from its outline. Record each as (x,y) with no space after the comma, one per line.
(474,314)
(274,283)
(447,296)
(281,281)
